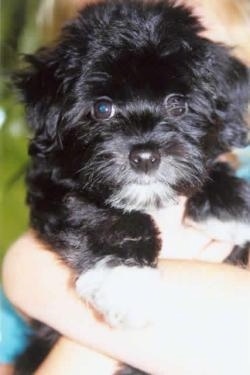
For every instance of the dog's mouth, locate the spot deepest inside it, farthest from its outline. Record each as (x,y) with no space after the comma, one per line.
(142,196)
(141,177)
(158,188)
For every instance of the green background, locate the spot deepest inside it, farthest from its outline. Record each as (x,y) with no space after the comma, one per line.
(18,34)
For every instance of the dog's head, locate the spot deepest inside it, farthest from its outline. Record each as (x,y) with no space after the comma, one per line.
(132,105)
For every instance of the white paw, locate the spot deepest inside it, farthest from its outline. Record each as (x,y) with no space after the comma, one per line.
(235,232)
(125,296)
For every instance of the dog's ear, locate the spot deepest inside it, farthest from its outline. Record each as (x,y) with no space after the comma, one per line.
(231,94)
(40,91)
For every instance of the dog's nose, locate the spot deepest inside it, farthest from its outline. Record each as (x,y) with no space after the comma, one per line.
(144,159)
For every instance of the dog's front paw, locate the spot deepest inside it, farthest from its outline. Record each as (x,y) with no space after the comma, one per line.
(236,232)
(127,297)
(222,208)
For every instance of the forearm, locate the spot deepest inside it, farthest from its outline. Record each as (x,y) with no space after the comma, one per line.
(199,339)
(68,357)
(204,327)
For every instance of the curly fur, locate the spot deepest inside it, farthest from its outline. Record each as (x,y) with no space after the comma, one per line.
(85,199)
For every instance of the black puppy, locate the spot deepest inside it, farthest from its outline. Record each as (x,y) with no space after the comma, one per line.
(130,110)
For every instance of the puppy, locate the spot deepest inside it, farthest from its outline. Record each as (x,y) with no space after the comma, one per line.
(130,109)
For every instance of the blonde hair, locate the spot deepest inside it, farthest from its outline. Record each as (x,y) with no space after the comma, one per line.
(226,21)
(52,14)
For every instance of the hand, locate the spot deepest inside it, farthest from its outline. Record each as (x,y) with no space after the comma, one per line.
(183,239)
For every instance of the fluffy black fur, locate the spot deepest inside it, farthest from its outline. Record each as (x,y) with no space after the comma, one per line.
(81,177)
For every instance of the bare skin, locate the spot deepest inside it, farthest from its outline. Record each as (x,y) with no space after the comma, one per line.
(6,369)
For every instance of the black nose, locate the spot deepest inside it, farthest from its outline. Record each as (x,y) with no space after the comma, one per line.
(144,159)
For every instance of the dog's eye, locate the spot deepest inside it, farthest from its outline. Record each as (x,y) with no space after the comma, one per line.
(175,105)
(102,109)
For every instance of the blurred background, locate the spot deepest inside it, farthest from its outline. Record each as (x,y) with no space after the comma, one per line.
(24,26)
(229,21)
(18,34)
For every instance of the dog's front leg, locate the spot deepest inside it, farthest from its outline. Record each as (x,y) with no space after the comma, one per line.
(222,210)
(114,255)
(123,284)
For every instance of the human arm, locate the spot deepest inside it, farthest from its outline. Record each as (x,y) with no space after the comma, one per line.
(214,301)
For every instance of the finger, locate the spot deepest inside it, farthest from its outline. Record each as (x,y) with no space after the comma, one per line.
(216,251)
(175,212)
(185,243)
(170,217)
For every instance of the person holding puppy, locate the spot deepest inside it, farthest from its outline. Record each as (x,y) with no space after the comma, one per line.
(243,279)
(207,308)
